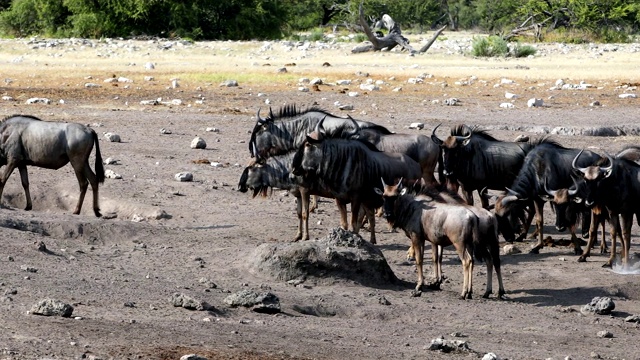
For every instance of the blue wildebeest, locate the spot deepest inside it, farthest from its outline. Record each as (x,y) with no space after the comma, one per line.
(27,140)
(348,169)
(616,188)
(424,218)
(550,162)
(275,172)
(476,160)
(287,130)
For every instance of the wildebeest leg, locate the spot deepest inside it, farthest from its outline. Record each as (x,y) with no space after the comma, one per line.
(24,178)
(417,243)
(84,185)
(313,204)
(467,270)
(372,223)
(300,212)
(603,243)
(411,254)
(614,221)
(539,207)
(489,287)
(494,250)
(593,235)
(355,215)
(577,249)
(342,207)
(5,175)
(437,267)
(627,221)
(93,180)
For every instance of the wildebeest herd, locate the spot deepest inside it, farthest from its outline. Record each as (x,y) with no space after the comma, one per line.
(415,179)
(412,179)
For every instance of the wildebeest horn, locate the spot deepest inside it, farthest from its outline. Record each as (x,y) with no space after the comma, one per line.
(608,168)
(575,160)
(435,137)
(466,137)
(574,188)
(260,120)
(383,184)
(399,182)
(271,116)
(514,193)
(546,189)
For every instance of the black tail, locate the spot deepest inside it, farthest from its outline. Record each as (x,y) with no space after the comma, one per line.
(99,167)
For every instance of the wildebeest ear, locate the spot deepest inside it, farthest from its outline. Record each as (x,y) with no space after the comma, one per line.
(466,142)
(378,191)
(312,139)
(403,191)
(577,200)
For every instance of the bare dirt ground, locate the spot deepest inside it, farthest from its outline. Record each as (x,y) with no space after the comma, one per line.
(98,265)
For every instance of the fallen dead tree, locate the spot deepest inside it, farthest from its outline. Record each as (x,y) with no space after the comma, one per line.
(392,39)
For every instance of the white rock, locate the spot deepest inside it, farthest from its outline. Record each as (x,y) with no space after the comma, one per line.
(176,102)
(124,80)
(354,94)
(137,218)
(149,66)
(397,89)
(38,101)
(415,81)
(92,85)
(212,129)
(304,80)
(535,102)
(229,83)
(416,125)
(369,87)
(316,81)
(217,164)
(165,131)
(510,249)
(345,107)
(509,95)
(343,82)
(110,161)
(303,89)
(559,83)
(110,174)
(175,84)
(7,98)
(149,78)
(507,81)
(184,176)
(507,106)
(198,143)
(627,96)
(112,137)
(149,102)
(108,81)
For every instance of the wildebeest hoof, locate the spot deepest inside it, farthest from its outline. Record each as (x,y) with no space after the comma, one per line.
(535,250)
(607,265)
(582,259)
(28,208)
(486,294)
(416,293)
(577,251)
(434,286)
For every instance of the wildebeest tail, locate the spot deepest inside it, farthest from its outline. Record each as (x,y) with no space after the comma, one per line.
(99,166)
(480,244)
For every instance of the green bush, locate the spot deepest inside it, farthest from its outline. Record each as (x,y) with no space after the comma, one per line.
(316,35)
(523,50)
(489,46)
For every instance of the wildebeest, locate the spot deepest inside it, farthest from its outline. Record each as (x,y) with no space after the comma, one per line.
(476,160)
(287,130)
(275,172)
(547,163)
(348,169)
(616,188)
(430,218)
(27,140)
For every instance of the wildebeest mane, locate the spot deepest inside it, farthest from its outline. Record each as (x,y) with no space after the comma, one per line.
(20,115)
(292,110)
(463,130)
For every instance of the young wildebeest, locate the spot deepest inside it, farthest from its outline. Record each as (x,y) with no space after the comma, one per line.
(275,172)
(27,140)
(429,216)
(287,130)
(348,169)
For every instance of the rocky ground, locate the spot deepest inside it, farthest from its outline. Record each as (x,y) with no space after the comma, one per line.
(197,239)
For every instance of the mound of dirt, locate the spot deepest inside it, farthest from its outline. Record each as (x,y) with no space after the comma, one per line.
(340,255)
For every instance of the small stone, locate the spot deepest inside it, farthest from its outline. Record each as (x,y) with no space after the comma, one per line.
(52,307)
(184,176)
(510,249)
(192,357)
(38,101)
(149,66)
(416,125)
(451,101)
(229,83)
(198,143)
(521,138)
(165,131)
(490,356)
(507,106)
(627,96)
(599,305)
(110,174)
(28,269)
(534,103)
(112,137)
(595,103)
(633,318)
(509,95)
(605,334)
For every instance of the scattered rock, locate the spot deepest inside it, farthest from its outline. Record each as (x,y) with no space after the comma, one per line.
(343,82)
(633,318)
(149,66)
(510,249)
(509,95)
(38,101)
(605,334)
(451,102)
(265,302)
(627,96)
(110,161)
(52,307)
(198,143)
(490,356)
(369,87)
(383,300)
(184,176)
(507,106)
(416,125)
(595,103)
(599,305)
(28,269)
(534,102)
(447,346)
(192,357)
(110,174)
(521,138)
(165,131)
(112,137)
(229,83)
(189,303)
(92,85)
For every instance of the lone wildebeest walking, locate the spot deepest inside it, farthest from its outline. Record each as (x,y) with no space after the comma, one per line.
(27,140)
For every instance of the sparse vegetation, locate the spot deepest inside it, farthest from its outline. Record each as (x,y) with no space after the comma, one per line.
(490,46)
(522,50)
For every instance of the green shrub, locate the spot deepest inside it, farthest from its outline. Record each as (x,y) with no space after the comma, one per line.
(316,35)
(489,46)
(360,37)
(523,50)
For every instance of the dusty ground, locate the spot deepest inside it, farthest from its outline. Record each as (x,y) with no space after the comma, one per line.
(98,265)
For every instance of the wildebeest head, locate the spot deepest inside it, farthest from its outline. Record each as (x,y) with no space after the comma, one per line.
(263,134)
(390,194)
(593,176)
(254,177)
(452,147)
(308,157)
(563,203)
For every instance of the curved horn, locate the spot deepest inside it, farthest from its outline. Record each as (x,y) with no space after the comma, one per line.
(608,168)
(573,164)
(260,120)
(550,192)
(383,184)
(399,182)
(435,137)
(271,116)
(574,188)
(466,137)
